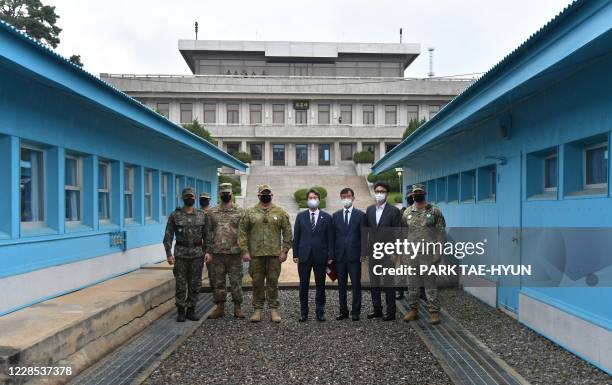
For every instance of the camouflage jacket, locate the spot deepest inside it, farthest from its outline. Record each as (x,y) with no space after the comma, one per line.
(224,224)
(265,232)
(192,233)
(426,223)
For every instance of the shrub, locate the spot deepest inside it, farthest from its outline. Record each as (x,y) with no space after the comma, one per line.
(389,176)
(300,196)
(196,128)
(363,157)
(244,157)
(395,197)
(412,127)
(236,187)
(322,191)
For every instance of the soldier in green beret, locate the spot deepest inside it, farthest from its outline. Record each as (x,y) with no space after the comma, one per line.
(225,221)
(265,239)
(425,222)
(189,226)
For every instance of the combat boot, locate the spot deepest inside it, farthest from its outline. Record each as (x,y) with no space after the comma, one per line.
(218,312)
(411,315)
(180,316)
(238,311)
(274,316)
(191,314)
(256,317)
(435,318)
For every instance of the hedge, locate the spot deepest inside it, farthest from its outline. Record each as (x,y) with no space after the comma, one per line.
(363,157)
(244,157)
(389,176)
(300,196)
(236,187)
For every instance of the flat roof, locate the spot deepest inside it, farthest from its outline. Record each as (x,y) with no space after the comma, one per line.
(299,49)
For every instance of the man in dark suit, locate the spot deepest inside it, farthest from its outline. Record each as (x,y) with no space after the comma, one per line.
(383,220)
(348,223)
(313,243)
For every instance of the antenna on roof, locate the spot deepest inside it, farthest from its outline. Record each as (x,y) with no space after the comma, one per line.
(400,36)
(196,30)
(431,71)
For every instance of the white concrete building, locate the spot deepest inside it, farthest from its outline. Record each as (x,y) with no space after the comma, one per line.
(295,103)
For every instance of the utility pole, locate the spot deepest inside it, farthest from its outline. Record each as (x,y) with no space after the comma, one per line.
(196,30)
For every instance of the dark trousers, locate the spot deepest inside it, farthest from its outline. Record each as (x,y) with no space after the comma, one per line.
(304,269)
(380,284)
(344,271)
(188,275)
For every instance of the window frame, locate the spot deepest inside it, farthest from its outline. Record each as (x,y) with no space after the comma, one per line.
(260,157)
(148,193)
(107,190)
(366,122)
(343,110)
(322,112)
(231,112)
(208,110)
(394,112)
(78,187)
(164,194)
(305,120)
(409,117)
(167,114)
(43,188)
(544,175)
(276,111)
(130,171)
(587,148)
(252,111)
(190,110)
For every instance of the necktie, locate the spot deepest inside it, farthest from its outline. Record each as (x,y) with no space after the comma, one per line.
(312,221)
(346,213)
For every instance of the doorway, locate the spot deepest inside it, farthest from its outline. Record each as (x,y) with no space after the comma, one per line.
(324,154)
(278,154)
(301,154)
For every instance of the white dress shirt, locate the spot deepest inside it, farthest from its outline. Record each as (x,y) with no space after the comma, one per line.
(379,211)
(350,211)
(316,215)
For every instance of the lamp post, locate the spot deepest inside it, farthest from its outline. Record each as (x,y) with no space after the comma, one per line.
(399,171)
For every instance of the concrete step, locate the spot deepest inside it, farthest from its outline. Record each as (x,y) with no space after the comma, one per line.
(79,328)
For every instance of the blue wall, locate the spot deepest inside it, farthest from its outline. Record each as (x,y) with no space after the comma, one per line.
(572,112)
(38,112)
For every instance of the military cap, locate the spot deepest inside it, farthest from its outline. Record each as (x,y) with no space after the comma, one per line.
(409,189)
(205,195)
(225,188)
(188,191)
(418,187)
(264,187)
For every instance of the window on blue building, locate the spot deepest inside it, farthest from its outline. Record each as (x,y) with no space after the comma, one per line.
(468,186)
(441,190)
(32,188)
(128,193)
(596,166)
(453,188)
(487,183)
(148,194)
(551,172)
(177,191)
(104,189)
(164,195)
(73,178)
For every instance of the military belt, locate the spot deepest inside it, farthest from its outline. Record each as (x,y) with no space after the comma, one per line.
(190,244)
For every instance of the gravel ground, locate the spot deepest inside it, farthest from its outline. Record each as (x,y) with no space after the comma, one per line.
(536,358)
(230,351)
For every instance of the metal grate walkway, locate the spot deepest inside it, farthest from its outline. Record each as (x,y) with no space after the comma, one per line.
(465,359)
(126,364)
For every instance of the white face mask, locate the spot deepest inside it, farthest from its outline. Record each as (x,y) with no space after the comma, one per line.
(347,202)
(380,197)
(313,203)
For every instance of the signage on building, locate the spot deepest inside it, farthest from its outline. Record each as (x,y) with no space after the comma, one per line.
(301,104)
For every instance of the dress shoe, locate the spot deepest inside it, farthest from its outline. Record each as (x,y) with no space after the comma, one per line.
(303,318)
(191,314)
(355,317)
(389,317)
(374,315)
(320,317)
(341,317)
(180,314)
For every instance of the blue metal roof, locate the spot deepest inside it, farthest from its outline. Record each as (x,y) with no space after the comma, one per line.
(395,156)
(146,117)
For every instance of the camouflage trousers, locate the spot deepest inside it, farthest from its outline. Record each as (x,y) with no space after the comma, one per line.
(227,265)
(265,272)
(188,276)
(211,274)
(415,282)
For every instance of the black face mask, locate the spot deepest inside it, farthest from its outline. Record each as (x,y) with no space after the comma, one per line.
(265,198)
(410,200)
(204,202)
(419,198)
(225,198)
(189,202)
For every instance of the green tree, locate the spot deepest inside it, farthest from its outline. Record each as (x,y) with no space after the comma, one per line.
(33,18)
(76,59)
(412,126)
(196,128)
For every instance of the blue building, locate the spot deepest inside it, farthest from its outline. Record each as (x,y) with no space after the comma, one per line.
(524,148)
(89,175)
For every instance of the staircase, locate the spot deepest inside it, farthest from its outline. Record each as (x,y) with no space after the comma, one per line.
(285,180)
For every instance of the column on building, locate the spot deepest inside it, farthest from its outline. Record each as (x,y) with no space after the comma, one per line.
(267,152)
(336,153)
(381,149)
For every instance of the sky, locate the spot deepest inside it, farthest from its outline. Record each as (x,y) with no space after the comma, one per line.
(138,37)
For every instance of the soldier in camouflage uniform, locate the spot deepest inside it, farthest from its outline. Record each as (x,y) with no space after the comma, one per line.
(204,200)
(190,228)
(265,239)
(224,222)
(425,222)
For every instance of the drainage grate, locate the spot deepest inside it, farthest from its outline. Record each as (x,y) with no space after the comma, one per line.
(128,362)
(464,358)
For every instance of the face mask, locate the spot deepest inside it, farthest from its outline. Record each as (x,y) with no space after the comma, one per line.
(380,197)
(204,202)
(419,197)
(189,202)
(225,198)
(410,200)
(265,198)
(347,202)
(313,203)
